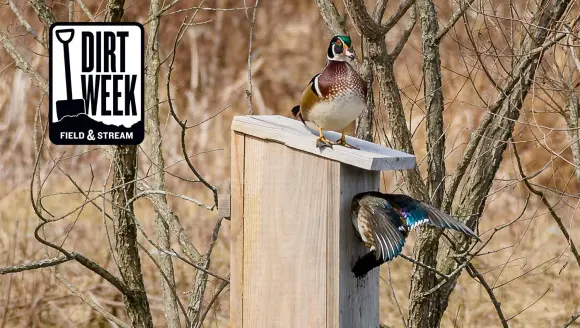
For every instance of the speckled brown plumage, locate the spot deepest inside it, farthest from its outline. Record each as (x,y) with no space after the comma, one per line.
(338,77)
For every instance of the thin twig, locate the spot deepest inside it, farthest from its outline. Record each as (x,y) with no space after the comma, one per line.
(25,23)
(424,266)
(476,275)
(23,64)
(546,203)
(529,306)
(183,124)
(249,91)
(394,295)
(172,285)
(571,320)
(220,288)
(73,289)
(167,193)
(454,18)
(34,265)
(86,10)
(84,261)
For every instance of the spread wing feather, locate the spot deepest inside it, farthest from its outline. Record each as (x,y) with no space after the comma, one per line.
(417,213)
(386,229)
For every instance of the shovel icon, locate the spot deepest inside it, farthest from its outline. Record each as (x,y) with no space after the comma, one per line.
(69,106)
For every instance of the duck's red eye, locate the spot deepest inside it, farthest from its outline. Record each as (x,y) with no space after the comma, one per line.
(338,43)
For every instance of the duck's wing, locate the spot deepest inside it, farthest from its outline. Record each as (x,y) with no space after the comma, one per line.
(382,227)
(417,213)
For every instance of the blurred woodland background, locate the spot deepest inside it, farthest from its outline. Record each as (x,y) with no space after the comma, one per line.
(531,273)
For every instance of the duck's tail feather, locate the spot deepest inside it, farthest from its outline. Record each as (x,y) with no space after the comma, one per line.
(296,113)
(295,110)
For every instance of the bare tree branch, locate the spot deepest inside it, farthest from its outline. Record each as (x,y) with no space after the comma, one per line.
(463,6)
(546,203)
(486,155)
(434,105)
(363,21)
(86,10)
(424,281)
(35,265)
(216,295)
(571,114)
(572,319)
(183,238)
(198,290)
(379,10)
(334,22)
(124,160)
(249,91)
(115,10)
(25,23)
(172,290)
(394,296)
(476,275)
(23,64)
(183,124)
(90,302)
(170,300)
(394,19)
(528,59)
(406,33)
(43,12)
(382,66)
(129,264)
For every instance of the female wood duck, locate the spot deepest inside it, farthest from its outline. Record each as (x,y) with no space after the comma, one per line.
(383,221)
(335,97)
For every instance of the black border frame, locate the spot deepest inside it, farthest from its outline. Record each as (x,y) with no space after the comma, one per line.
(141,124)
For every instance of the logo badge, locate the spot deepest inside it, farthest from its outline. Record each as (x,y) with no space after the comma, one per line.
(96,84)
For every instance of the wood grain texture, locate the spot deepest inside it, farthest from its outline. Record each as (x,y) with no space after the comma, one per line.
(294,134)
(351,302)
(358,298)
(285,211)
(298,244)
(237,233)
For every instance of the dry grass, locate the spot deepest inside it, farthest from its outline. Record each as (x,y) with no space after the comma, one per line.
(210,74)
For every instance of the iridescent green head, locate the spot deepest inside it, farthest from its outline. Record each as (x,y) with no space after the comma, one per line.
(340,48)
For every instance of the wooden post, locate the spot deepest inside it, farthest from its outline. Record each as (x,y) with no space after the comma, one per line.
(293,244)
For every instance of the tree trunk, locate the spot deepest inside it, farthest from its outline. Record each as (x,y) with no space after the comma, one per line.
(125,234)
(391,98)
(433,101)
(124,160)
(485,163)
(426,247)
(364,123)
(156,155)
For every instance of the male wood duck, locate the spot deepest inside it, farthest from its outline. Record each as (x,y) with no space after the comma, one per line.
(335,97)
(383,221)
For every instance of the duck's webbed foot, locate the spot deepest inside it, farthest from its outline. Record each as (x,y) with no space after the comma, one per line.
(342,142)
